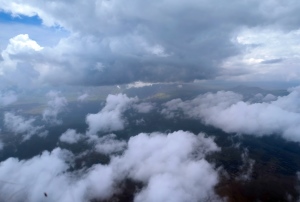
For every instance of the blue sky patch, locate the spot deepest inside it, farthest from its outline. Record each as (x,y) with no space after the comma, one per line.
(8,18)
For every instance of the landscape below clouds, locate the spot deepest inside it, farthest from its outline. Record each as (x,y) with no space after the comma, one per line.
(184,143)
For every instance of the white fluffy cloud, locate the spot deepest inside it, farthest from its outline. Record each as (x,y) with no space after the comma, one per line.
(55,106)
(167,167)
(20,125)
(18,46)
(227,110)
(171,166)
(70,136)
(110,118)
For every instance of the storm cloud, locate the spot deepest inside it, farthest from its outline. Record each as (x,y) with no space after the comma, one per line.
(113,42)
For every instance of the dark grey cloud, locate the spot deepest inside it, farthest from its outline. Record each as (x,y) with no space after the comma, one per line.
(113,42)
(273,61)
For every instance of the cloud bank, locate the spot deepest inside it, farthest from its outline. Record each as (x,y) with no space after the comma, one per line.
(112,42)
(228,111)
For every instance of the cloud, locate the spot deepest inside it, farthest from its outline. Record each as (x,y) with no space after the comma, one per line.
(268,52)
(70,136)
(165,165)
(1,145)
(261,98)
(55,106)
(172,163)
(18,48)
(7,98)
(29,180)
(107,144)
(139,84)
(144,107)
(272,61)
(269,98)
(112,42)
(25,127)
(247,167)
(82,97)
(228,111)
(110,117)
(140,122)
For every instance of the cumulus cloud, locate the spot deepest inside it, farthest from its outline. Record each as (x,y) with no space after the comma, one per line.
(70,136)
(18,46)
(55,106)
(172,163)
(228,111)
(20,125)
(110,118)
(166,166)
(29,180)
(7,98)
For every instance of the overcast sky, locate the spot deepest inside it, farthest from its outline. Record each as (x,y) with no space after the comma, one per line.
(108,42)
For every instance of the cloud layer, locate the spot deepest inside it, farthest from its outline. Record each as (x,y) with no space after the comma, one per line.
(112,42)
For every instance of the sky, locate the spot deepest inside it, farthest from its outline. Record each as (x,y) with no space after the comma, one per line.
(103,42)
(59,59)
